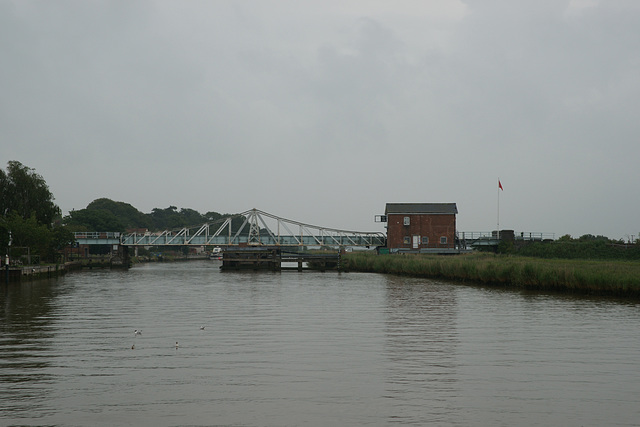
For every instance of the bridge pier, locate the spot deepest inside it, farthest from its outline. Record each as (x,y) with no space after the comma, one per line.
(272,258)
(120,257)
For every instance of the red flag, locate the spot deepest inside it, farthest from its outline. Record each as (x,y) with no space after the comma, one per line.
(500,185)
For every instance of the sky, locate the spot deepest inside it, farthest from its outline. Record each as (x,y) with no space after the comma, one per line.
(324,111)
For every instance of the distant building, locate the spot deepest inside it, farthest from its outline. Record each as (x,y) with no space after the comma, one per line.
(421,227)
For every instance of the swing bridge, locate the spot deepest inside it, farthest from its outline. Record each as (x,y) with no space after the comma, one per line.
(258,228)
(261,229)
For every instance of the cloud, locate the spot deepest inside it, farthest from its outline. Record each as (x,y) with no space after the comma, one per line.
(324,111)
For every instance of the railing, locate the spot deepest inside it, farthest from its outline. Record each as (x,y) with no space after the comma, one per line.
(308,235)
(537,236)
(475,235)
(257,228)
(470,239)
(96,235)
(492,235)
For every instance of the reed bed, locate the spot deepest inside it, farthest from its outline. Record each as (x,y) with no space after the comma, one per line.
(621,278)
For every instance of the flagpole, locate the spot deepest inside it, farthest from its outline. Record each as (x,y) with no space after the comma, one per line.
(498,222)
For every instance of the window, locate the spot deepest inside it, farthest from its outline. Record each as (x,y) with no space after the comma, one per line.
(443,240)
(425,240)
(407,240)
(407,220)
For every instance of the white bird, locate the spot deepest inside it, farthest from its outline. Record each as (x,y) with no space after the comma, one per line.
(202,327)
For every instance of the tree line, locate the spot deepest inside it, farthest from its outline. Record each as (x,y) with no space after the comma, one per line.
(31,222)
(108,215)
(586,246)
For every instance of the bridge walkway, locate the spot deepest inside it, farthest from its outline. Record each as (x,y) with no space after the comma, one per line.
(257,228)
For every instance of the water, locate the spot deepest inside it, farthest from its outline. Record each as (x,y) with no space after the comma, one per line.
(309,349)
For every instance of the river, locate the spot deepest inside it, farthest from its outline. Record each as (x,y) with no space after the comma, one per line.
(309,349)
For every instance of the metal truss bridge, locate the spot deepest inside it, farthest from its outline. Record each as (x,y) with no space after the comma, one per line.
(258,229)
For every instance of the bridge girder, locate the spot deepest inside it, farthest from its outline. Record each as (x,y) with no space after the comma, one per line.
(257,229)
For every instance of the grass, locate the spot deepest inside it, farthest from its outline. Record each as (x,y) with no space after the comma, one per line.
(621,278)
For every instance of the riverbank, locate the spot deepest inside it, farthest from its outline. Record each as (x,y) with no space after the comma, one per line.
(35,272)
(616,278)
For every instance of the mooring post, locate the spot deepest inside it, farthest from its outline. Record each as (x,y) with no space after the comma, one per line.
(277,259)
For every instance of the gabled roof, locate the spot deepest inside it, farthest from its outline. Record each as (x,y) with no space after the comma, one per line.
(421,208)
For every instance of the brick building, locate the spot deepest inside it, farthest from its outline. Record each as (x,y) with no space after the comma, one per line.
(421,227)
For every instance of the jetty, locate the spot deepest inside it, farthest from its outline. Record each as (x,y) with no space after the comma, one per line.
(277,259)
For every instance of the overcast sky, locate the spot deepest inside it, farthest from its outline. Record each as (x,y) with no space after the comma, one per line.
(324,111)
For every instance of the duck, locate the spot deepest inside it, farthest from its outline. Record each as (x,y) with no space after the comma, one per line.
(137,332)
(202,328)
(176,344)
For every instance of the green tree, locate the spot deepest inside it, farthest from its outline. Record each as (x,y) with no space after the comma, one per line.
(93,220)
(592,238)
(28,236)
(61,238)
(166,219)
(26,193)
(191,217)
(126,213)
(28,215)
(107,215)
(213,216)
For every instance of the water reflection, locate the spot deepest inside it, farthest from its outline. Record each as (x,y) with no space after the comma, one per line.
(309,349)
(421,345)
(25,321)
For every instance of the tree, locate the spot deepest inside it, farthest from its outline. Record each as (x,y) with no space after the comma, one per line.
(61,238)
(213,216)
(191,217)
(107,215)
(94,220)
(127,214)
(26,193)
(164,219)
(28,214)
(28,233)
(592,238)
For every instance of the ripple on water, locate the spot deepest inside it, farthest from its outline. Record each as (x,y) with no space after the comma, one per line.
(309,349)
